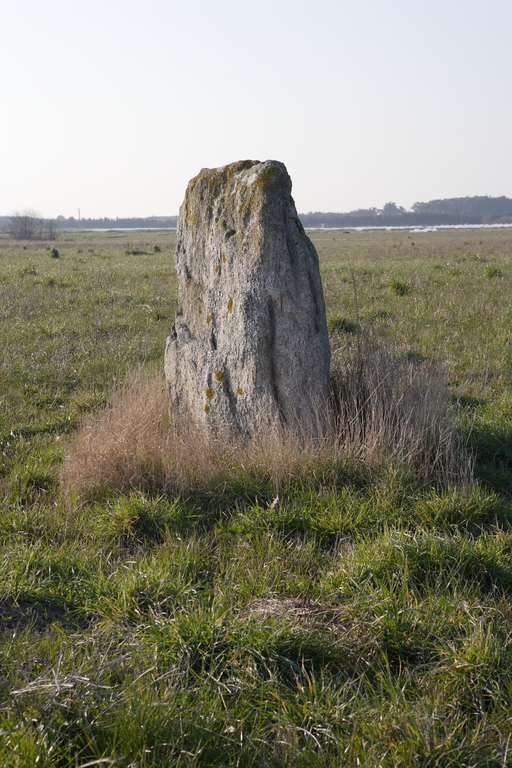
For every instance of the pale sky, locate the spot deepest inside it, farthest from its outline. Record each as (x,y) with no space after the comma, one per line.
(111,106)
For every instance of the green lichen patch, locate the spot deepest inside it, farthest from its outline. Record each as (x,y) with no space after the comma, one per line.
(268,176)
(219,375)
(210,394)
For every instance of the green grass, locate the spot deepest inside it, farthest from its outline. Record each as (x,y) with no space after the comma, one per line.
(362,618)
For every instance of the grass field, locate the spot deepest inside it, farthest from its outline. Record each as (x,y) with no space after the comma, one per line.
(361,619)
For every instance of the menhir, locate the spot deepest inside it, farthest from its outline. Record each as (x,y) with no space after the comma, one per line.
(249,348)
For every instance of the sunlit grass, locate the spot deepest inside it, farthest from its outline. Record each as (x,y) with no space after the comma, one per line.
(288,609)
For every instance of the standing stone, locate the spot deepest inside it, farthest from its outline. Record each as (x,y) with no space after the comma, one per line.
(249,347)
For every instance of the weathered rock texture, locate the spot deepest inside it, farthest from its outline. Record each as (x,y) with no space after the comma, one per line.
(249,347)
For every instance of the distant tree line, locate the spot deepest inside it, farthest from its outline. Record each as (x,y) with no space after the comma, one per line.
(456,210)
(490,208)
(165,222)
(379,219)
(30,225)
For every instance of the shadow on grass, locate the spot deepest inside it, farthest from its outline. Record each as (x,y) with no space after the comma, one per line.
(487,425)
(492,448)
(323,513)
(38,612)
(61,427)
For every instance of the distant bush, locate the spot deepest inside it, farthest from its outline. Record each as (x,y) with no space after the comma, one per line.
(337,322)
(398,287)
(493,272)
(28,270)
(379,314)
(53,251)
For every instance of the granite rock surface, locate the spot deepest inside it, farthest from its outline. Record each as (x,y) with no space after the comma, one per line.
(249,348)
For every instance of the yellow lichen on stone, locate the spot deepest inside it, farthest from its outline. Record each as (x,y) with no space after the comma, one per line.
(239,391)
(210,393)
(219,375)
(223,258)
(208,318)
(206,408)
(230,306)
(216,268)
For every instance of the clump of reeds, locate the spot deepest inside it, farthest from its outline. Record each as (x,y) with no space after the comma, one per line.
(384,408)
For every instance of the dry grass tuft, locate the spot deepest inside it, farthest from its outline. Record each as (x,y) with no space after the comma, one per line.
(396,407)
(133,443)
(124,443)
(384,408)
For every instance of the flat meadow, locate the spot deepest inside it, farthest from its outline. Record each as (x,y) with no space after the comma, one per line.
(167,603)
